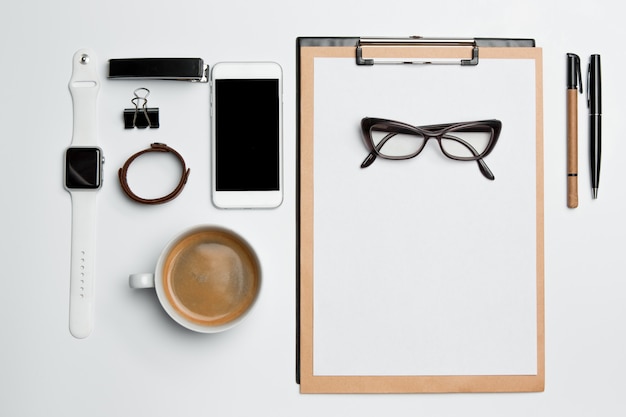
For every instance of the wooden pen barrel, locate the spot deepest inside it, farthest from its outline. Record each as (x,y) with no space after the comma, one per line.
(572,148)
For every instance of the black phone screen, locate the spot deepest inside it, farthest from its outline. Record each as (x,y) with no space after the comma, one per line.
(247,134)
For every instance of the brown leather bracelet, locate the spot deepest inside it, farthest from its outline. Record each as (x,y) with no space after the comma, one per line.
(154,147)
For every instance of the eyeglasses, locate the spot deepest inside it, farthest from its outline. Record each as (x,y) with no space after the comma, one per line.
(466,141)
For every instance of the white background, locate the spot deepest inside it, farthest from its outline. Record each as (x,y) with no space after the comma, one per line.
(139,362)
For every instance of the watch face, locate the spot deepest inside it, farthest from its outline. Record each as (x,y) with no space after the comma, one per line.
(82,168)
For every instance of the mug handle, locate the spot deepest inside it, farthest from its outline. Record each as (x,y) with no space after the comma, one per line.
(145,280)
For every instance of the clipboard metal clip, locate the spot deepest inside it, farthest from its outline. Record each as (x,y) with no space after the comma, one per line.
(416,41)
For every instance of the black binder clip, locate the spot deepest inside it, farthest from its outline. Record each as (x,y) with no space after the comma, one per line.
(141,116)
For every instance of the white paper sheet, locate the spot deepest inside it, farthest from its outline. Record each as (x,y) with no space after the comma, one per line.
(423,266)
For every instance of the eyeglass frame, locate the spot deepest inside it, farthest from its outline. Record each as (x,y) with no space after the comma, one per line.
(437,131)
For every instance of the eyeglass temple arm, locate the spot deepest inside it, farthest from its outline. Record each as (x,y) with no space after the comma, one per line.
(369,160)
(484,169)
(371,157)
(482,166)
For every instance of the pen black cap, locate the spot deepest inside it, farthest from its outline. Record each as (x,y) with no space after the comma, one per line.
(594,88)
(574,78)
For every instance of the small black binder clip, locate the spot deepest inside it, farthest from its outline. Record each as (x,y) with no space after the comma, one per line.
(141,116)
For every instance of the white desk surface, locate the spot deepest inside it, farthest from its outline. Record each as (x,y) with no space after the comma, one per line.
(139,362)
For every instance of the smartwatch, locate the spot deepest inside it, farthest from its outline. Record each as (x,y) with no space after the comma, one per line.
(83,178)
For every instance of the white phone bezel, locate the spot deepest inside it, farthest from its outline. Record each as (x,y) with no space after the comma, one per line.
(246,199)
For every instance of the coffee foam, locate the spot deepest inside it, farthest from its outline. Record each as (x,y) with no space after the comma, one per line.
(211,277)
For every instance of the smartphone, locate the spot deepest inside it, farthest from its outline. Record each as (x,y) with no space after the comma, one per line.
(247,135)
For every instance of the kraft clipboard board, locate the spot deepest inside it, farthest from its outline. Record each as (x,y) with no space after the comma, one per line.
(419,275)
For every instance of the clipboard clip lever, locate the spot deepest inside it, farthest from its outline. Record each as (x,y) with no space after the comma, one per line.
(416,41)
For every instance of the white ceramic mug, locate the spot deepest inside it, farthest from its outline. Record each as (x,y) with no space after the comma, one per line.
(207,279)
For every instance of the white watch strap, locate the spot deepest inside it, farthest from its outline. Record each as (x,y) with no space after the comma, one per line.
(84,86)
(82,267)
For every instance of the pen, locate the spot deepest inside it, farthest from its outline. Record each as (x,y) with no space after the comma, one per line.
(594,94)
(574,81)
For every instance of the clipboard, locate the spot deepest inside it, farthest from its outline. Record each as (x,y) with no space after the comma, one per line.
(419,275)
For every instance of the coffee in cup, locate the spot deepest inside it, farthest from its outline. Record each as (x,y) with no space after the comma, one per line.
(207,279)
